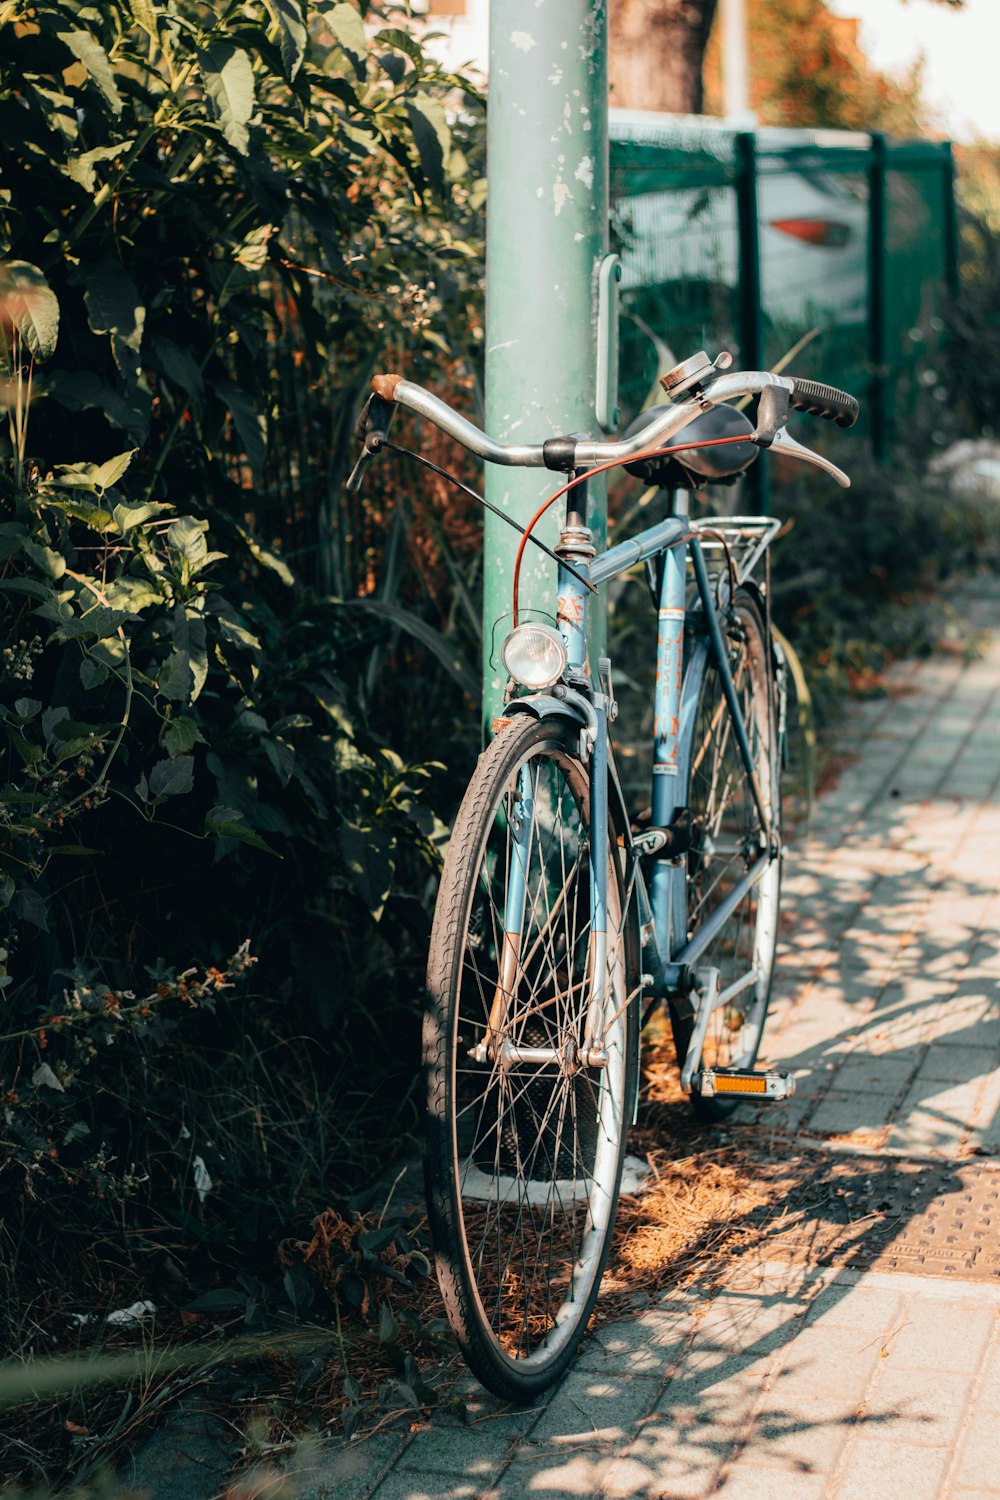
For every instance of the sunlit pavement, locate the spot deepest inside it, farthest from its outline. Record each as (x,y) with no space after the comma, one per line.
(875,1371)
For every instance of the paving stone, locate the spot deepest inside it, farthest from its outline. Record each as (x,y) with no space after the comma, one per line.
(937,1117)
(856,1305)
(881,1467)
(883,1073)
(478,1448)
(322,1471)
(742,1482)
(943,1336)
(955,1064)
(403,1484)
(845,1114)
(595,1407)
(826,1361)
(683,1470)
(804,1437)
(646,1345)
(979,1457)
(577,1476)
(988,1396)
(917,1406)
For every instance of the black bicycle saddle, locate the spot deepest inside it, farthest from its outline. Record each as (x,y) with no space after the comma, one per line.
(694,469)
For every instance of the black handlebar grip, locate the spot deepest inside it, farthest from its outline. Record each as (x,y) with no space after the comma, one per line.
(824,401)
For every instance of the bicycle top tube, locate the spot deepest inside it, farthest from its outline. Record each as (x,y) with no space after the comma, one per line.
(566,453)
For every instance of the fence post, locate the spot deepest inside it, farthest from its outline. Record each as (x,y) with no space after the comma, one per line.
(546,234)
(952,270)
(751,305)
(878,330)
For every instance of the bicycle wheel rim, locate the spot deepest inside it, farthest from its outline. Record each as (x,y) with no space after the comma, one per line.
(535,1150)
(728,840)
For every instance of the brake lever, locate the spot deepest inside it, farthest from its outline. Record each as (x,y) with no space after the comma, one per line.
(371,428)
(784,444)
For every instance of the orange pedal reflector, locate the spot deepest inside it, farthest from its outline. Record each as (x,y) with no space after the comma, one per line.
(761,1085)
(726,1085)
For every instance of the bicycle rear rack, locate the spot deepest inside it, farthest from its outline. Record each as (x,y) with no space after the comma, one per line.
(746,537)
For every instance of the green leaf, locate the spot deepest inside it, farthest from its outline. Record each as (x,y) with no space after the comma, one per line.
(31,306)
(348,32)
(368,857)
(287,16)
(31,906)
(144,15)
(266,558)
(180,735)
(231,627)
(81,168)
(109,473)
(388,1328)
(43,1074)
(132,595)
(229,823)
(435,642)
(252,252)
(126,517)
(186,537)
(180,367)
(87,50)
(229,83)
(391,36)
(92,673)
(171,778)
(79,390)
(113,304)
(183,674)
(251,426)
(221,1299)
(52,564)
(27,708)
(431,137)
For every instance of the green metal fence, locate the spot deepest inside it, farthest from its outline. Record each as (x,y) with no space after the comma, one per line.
(755,241)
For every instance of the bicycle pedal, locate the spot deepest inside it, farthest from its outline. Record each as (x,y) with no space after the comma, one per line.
(670,843)
(745,1082)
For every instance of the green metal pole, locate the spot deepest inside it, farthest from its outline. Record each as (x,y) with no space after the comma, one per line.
(546,234)
(751,299)
(878,268)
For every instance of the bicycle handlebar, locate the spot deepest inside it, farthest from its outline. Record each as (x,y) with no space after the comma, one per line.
(563,454)
(824,401)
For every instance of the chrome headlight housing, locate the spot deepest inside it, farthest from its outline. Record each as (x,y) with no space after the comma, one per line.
(534,655)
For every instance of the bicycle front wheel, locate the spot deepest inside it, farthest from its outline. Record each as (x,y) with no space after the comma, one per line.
(728,839)
(526,1101)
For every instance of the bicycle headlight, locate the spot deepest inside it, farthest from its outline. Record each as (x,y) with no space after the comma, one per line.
(534,655)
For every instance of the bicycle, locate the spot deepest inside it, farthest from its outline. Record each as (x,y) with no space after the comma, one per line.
(547,941)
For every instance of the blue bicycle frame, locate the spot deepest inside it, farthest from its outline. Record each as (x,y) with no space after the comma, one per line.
(668,952)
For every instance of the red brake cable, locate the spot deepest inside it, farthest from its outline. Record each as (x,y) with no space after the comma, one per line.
(602,468)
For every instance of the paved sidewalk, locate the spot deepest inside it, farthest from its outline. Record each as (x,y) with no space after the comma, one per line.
(858,1358)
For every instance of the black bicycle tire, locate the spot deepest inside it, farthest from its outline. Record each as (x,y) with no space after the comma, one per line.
(493,1366)
(714,1109)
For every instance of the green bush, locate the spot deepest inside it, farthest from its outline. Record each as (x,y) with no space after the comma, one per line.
(187,192)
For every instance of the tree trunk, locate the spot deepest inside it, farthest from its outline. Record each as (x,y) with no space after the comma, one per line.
(655,53)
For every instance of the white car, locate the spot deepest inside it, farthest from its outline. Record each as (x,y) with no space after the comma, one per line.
(679,244)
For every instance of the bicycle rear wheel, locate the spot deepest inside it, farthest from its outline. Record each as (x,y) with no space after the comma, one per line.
(526,1137)
(728,840)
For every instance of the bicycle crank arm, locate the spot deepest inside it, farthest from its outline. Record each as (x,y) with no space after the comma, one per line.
(747,1083)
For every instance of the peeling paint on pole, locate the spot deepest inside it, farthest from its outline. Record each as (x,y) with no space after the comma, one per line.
(546,231)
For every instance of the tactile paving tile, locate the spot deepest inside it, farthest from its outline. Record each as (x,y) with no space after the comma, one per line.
(896,1215)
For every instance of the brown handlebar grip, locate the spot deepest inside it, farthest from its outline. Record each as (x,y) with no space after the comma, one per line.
(385,386)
